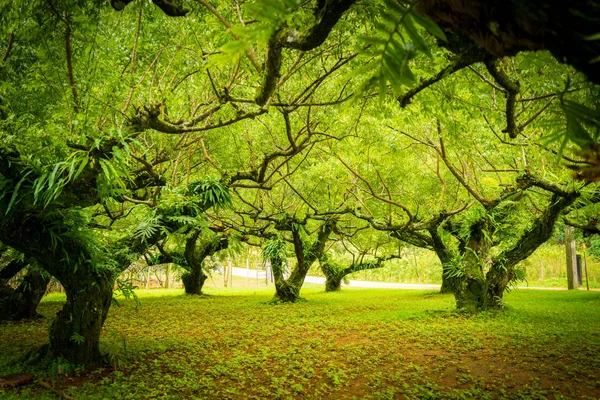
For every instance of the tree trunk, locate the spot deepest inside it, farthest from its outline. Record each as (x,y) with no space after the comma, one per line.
(167,273)
(286,291)
(333,275)
(193,280)
(196,250)
(21,303)
(572,280)
(497,281)
(289,290)
(470,291)
(333,283)
(75,333)
(446,282)
(470,288)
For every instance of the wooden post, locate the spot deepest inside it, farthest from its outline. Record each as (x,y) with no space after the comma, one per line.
(148,277)
(572,281)
(587,279)
(230,273)
(167,273)
(247,269)
(267,266)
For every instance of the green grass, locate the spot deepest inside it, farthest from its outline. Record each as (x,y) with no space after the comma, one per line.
(358,343)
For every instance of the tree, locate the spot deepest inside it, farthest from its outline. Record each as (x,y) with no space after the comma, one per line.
(355,250)
(58,170)
(21,302)
(307,250)
(198,244)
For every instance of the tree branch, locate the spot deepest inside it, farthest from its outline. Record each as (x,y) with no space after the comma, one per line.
(11,40)
(461,63)
(512,90)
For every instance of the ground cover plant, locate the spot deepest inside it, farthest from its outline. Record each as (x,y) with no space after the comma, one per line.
(340,135)
(375,344)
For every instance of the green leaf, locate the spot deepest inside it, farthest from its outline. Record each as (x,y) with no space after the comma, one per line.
(595,36)
(430,26)
(13,198)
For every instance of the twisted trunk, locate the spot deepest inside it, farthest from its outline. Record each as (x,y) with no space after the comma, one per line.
(333,282)
(335,274)
(196,251)
(193,280)
(288,291)
(75,333)
(502,270)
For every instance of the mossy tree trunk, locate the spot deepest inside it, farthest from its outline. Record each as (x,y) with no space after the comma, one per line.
(446,286)
(21,302)
(285,290)
(470,290)
(445,256)
(75,333)
(334,274)
(478,280)
(193,280)
(333,282)
(502,270)
(288,290)
(199,244)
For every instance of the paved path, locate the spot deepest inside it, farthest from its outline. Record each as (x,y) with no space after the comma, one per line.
(252,273)
(260,274)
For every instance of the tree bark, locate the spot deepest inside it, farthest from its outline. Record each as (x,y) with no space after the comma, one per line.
(572,281)
(193,280)
(197,248)
(288,291)
(21,303)
(333,282)
(503,28)
(75,333)
(446,258)
(470,292)
(446,285)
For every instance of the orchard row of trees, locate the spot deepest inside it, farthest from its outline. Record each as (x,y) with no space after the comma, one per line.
(332,131)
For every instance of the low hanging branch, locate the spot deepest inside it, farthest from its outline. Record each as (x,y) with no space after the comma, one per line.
(512,89)
(590,228)
(461,63)
(327,15)
(172,8)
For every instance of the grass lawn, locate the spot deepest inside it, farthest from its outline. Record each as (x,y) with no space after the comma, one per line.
(358,343)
